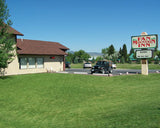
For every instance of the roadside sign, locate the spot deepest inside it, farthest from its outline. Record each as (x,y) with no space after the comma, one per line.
(144,41)
(144,54)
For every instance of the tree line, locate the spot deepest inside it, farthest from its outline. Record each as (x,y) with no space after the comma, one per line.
(122,55)
(77,57)
(109,53)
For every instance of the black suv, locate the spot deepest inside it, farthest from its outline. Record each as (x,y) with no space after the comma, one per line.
(102,66)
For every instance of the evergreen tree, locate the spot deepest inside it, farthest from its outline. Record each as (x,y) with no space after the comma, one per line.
(131,51)
(108,52)
(93,60)
(122,60)
(158,54)
(124,52)
(111,50)
(7,48)
(120,53)
(156,61)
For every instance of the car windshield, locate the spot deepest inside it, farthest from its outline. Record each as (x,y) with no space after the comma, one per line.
(98,63)
(102,63)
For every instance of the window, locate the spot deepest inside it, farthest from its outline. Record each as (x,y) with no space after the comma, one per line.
(39,62)
(23,63)
(32,63)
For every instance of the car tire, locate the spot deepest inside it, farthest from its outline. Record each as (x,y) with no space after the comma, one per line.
(110,71)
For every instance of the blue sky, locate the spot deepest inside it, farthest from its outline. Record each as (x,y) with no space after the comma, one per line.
(85,24)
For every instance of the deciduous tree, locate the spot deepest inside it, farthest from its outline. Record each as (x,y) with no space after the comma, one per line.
(69,57)
(99,58)
(104,52)
(6,42)
(78,56)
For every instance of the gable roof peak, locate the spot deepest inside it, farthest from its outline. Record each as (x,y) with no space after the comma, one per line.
(13,31)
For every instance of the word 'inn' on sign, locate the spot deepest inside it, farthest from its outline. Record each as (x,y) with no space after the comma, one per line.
(148,41)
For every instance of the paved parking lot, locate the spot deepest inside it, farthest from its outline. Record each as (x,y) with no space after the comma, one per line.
(115,71)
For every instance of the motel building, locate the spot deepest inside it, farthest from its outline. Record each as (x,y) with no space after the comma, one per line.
(34,56)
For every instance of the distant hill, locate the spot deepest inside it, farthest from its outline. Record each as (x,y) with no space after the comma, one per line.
(69,51)
(94,54)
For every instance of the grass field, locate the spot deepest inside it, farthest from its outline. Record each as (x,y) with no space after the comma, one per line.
(80,101)
(123,66)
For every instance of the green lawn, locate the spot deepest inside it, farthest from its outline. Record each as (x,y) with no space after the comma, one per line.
(123,66)
(80,101)
(77,65)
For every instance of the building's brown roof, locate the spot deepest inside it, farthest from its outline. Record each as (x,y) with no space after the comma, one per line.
(36,47)
(13,31)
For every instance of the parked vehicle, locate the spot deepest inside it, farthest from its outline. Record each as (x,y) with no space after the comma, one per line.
(87,65)
(67,65)
(103,67)
(114,66)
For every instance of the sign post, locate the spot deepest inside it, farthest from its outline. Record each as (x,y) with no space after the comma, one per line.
(144,67)
(144,62)
(145,43)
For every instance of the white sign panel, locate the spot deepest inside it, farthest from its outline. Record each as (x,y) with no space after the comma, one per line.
(144,54)
(145,41)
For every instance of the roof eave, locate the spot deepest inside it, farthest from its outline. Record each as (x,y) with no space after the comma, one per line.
(42,54)
(18,34)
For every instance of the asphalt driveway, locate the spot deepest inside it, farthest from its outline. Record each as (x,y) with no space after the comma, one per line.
(115,71)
